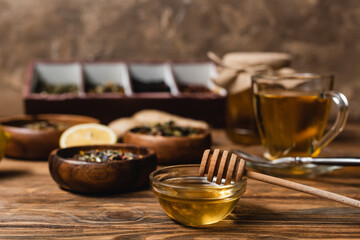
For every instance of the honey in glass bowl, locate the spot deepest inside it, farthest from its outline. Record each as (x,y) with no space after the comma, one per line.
(192,200)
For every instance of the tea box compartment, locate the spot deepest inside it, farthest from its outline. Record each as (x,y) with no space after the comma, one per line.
(62,78)
(152,78)
(196,78)
(110,90)
(104,78)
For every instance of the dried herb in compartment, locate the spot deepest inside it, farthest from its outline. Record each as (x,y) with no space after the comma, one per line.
(108,87)
(108,155)
(46,88)
(168,129)
(156,85)
(192,88)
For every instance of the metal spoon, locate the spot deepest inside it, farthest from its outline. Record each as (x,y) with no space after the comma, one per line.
(335,161)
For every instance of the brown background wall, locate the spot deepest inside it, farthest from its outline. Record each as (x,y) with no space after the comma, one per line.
(322,35)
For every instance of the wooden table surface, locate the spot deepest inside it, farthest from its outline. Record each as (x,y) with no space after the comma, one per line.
(32,206)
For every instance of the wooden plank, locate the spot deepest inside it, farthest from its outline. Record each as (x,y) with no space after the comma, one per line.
(32,206)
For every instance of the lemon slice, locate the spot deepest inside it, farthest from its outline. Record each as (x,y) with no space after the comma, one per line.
(87,134)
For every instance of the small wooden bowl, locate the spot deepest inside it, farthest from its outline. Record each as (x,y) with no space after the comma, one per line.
(101,178)
(36,144)
(172,150)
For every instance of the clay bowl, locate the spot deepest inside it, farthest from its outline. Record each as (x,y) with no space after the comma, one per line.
(172,150)
(104,177)
(27,143)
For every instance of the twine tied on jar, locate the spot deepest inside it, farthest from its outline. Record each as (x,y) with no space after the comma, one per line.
(235,69)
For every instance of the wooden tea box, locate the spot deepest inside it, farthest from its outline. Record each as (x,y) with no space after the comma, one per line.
(114,89)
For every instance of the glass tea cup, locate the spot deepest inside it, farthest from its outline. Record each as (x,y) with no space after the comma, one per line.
(292,113)
(192,200)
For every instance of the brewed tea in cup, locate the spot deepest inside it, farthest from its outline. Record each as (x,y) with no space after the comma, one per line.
(292,113)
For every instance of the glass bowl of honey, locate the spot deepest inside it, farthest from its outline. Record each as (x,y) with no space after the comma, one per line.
(191,199)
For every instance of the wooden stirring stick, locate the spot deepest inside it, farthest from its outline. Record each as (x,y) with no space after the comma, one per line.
(230,169)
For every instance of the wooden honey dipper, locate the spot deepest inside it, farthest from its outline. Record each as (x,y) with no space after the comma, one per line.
(231,169)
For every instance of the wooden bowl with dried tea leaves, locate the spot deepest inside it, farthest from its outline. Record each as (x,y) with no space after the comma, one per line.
(102,169)
(172,143)
(35,136)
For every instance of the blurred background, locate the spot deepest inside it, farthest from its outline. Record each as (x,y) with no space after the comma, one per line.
(321,35)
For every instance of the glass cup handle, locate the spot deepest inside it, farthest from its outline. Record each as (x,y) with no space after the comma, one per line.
(342,103)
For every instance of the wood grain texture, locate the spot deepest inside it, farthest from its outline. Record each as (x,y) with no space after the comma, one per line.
(32,206)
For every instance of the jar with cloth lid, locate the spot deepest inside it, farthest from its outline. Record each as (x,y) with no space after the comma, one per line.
(235,71)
